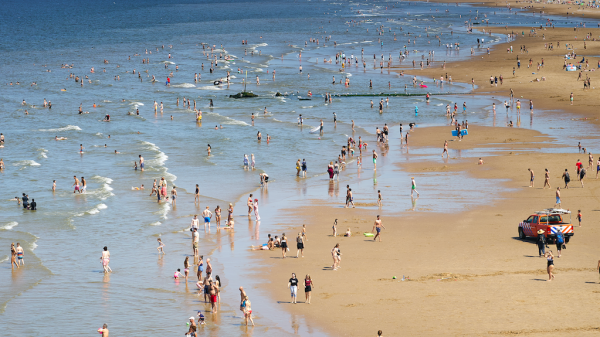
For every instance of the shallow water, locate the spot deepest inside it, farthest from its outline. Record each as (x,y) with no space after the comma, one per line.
(63,239)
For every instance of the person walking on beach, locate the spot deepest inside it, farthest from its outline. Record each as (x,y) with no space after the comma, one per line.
(582,173)
(174,195)
(248,311)
(541,242)
(304,168)
(293,285)
(550,266)
(300,245)
(531,177)
(566,178)
(197,194)
(546,179)
(255,206)
(208,268)
(192,329)
(558,204)
(579,216)
(298,168)
(308,285)
(377,226)
(200,269)
(379,198)
(413,187)
(161,246)
(445,149)
(560,240)
(335,253)
(207,215)
(579,166)
(284,245)
(13,256)
(374,160)
(20,256)
(105,258)
(186,267)
(250,205)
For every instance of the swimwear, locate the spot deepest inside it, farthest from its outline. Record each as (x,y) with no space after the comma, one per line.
(142,165)
(20,255)
(378,229)
(558,200)
(213,298)
(201,267)
(374,161)
(550,261)
(206,219)
(105,262)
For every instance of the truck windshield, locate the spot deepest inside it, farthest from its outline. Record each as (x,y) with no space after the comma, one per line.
(551,219)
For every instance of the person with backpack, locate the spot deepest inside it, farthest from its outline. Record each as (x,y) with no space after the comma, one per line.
(541,242)
(582,173)
(560,240)
(567,178)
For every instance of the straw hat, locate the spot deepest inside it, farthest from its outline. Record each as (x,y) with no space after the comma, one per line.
(541,231)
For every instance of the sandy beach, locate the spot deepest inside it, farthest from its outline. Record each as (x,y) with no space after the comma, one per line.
(469,272)
(549,87)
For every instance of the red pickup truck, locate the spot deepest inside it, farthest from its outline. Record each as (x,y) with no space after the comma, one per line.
(551,221)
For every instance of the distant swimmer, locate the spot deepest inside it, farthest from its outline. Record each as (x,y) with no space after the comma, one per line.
(106,118)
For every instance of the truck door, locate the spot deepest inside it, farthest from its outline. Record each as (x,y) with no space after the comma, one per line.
(535,225)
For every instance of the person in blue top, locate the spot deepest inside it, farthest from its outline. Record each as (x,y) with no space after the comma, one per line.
(560,240)
(416,110)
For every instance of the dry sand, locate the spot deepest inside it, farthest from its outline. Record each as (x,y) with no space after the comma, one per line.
(469,272)
(549,94)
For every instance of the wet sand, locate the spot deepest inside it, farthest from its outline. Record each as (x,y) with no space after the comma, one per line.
(469,272)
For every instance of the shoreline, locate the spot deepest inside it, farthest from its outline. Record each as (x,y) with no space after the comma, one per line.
(472,252)
(550,94)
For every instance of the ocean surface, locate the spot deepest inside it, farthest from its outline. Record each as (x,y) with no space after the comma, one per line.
(62,284)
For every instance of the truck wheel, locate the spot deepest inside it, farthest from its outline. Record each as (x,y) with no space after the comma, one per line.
(521,234)
(567,239)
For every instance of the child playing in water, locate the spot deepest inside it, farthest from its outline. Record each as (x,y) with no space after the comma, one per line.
(161,246)
(177,274)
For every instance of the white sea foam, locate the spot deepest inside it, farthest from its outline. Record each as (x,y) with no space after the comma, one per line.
(164,210)
(104,192)
(33,246)
(9,225)
(168,62)
(210,87)
(97,209)
(25,163)
(183,85)
(65,128)
(42,153)
(4,259)
(157,223)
